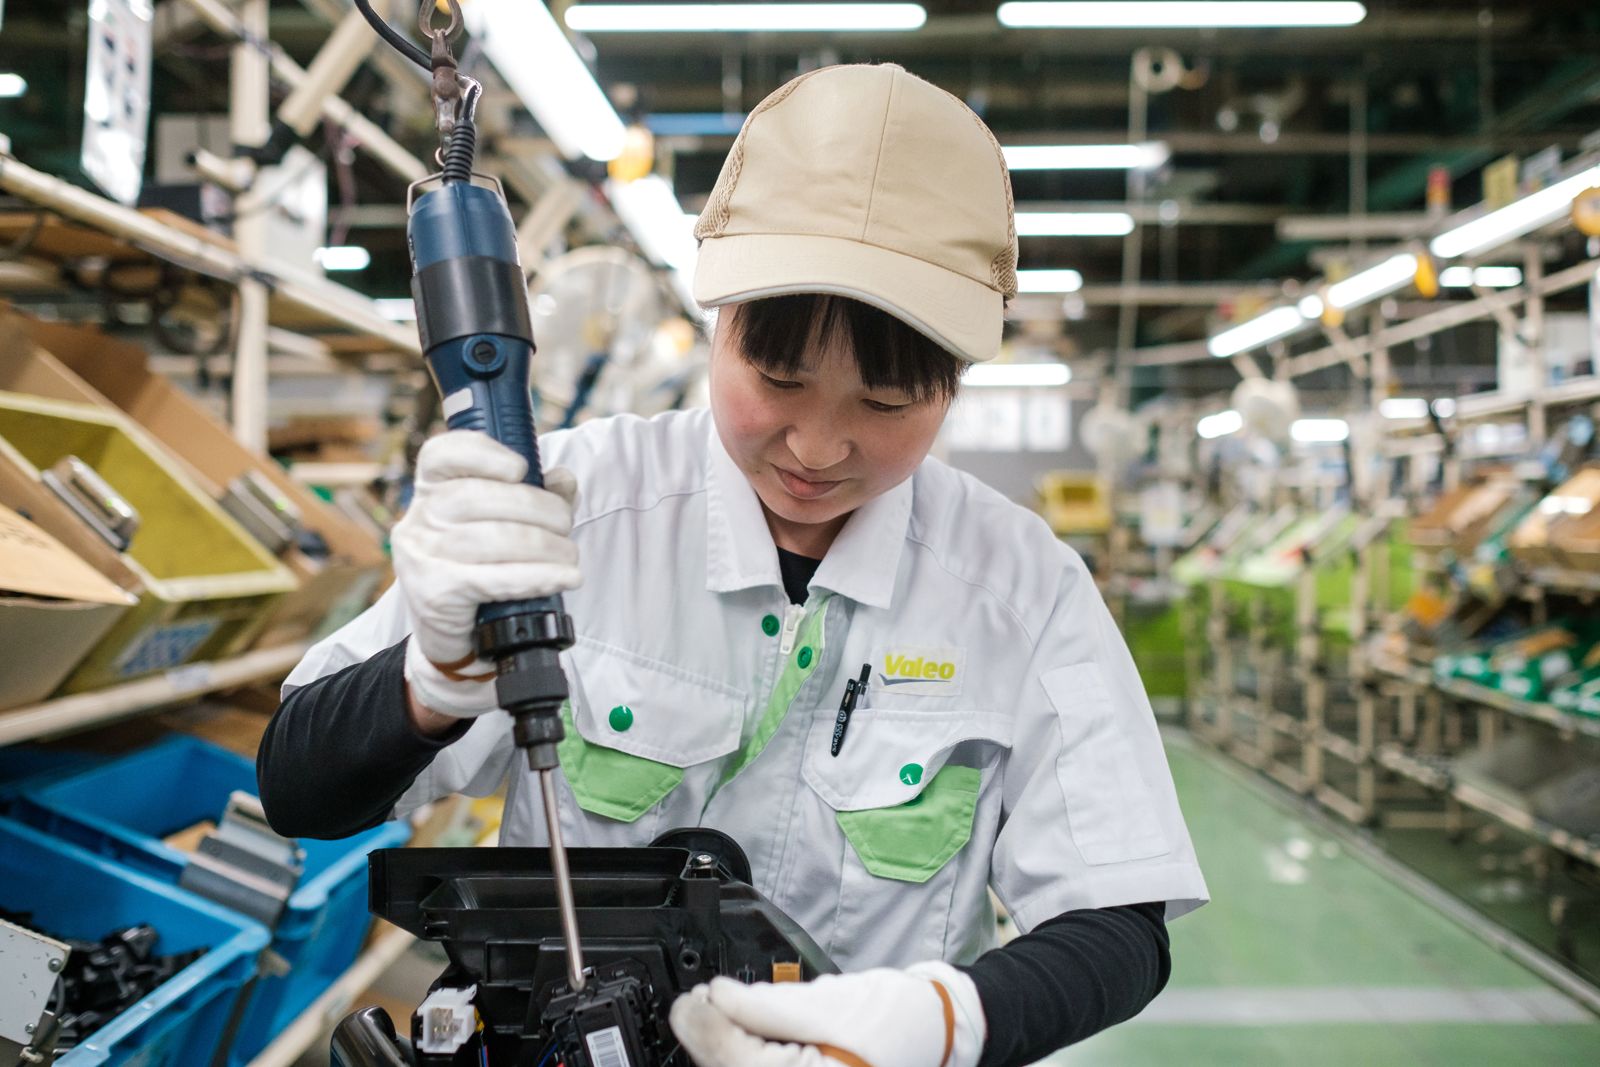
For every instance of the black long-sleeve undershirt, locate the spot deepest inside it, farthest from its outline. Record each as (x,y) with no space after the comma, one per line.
(341,751)
(1070,978)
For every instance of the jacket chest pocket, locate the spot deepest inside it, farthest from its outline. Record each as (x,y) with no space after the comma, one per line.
(899,789)
(638,729)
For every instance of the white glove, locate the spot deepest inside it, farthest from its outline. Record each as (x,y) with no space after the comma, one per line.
(926,1016)
(474,534)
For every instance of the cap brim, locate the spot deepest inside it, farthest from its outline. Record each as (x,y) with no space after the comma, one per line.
(964,316)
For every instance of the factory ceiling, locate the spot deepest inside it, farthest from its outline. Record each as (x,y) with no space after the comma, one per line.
(1272,135)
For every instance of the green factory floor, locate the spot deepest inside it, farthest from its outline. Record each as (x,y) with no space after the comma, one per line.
(1309,956)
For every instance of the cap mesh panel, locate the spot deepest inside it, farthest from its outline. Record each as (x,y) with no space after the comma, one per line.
(713,220)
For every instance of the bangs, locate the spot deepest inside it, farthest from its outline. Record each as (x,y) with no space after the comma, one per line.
(782,335)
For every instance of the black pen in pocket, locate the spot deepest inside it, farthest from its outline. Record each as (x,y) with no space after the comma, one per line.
(853,689)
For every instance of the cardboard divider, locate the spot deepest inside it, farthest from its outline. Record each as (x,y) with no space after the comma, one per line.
(54,608)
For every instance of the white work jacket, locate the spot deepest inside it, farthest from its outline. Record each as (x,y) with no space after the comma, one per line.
(1004,738)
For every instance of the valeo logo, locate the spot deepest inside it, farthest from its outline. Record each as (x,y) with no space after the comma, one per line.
(900,670)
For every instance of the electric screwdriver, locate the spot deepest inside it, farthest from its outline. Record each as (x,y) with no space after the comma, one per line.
(477,337)
(472,312)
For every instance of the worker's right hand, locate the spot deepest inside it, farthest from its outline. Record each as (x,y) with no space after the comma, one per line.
(475,534)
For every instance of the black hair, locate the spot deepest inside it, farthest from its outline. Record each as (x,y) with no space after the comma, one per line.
(779,335)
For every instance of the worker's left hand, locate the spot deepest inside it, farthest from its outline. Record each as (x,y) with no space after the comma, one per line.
(926,1016)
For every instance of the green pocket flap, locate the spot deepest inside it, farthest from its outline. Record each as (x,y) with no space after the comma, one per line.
(611,783)
(911,841)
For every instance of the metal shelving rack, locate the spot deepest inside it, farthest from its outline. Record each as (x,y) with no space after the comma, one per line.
(100,707)
(1378,739)
(1436,776)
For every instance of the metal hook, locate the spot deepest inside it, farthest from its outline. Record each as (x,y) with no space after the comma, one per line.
(425,19)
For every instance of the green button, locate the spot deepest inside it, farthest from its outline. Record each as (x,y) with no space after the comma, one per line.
(911,774)
(622,718)
(805,657)
(769,625)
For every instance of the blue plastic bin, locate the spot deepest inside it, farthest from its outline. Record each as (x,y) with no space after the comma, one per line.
(123,809)
(72,893)
(23,767)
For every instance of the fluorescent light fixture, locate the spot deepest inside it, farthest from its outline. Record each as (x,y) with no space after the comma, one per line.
(1394,273)
(343,257)
(1049,281)
(1311,307)
(650,210)
(1319,431)
(1145,156)
(1514,220)
(533,55)
(1484,277)
(1263,329)
(1183,14)
(1074,224)
(1017,375)
(12,86)
(742,18)
(397,309)
(1403,407)
(1220,425)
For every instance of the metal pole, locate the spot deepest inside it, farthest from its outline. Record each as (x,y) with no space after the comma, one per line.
(1133,244)
(1358,155)
(563,877)
(334,65)
(249,124)
(371,136)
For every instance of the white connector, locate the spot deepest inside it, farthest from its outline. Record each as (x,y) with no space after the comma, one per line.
(448,1019)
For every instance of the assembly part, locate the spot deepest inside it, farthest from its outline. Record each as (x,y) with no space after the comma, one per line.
(101,507)
(262,509)
(657,922)
(368,1039)
(448,1019)
(244,865)
(30,966)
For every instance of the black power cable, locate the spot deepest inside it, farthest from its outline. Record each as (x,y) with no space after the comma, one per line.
(396,39)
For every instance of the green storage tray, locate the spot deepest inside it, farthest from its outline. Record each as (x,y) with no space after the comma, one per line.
(207,585)
(1154,633)
(1269,577)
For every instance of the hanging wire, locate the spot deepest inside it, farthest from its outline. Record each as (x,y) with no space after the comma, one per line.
(396,39)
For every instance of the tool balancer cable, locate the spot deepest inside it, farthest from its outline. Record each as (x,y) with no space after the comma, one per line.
(396,39)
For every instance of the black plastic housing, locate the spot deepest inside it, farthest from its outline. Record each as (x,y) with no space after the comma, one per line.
(655,923)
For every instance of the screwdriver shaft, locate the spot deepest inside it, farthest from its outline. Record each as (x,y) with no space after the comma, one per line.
(563,876)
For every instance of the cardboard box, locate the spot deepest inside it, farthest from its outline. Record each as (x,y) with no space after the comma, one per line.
(83,364)
(1578,545)
(1462,518)
(54,608)
(1534,542)
(205,587)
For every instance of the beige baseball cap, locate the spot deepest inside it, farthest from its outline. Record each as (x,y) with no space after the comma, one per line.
(867,182)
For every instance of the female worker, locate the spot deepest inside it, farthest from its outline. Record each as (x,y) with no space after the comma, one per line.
(740,565)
